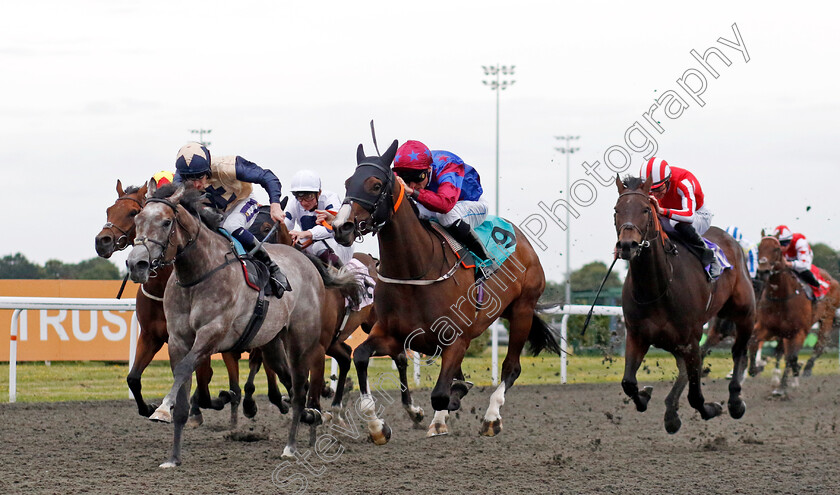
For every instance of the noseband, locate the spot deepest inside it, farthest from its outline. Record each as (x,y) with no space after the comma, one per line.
(161,259)
(121,241)
(382,207)
(645,241)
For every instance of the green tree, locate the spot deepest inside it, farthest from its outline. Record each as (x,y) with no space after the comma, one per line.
(827,259)
(97,269)
(16,266)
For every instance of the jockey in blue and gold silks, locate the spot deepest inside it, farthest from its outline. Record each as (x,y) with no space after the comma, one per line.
(445,188)
(228,182)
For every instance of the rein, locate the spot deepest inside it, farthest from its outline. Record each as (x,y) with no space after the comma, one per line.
(160,260)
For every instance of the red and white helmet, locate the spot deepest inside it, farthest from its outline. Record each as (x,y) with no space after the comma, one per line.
(658,170)
(783,233)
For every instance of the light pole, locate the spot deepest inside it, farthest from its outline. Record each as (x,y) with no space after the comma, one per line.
(498,85)
(567,149)
(201,133)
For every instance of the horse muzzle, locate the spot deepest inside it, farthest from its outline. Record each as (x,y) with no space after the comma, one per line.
(104,244)
(627,249)
(138,265)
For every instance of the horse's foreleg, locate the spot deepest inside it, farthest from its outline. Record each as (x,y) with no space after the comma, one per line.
(147,347)
(414,412)
(181,412)
(693,364)
(791,353)
(672,401)
(634,354)
(378,430)
(312,414)
(341,352)
(234,394)
(299,362)
(754,344)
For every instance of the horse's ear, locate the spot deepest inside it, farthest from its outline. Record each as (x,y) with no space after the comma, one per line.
(284,202)
(763,234)
(152,187)
(360,154)
(389,155)
(143,189)
(176,197)
(120,192)
(619,184)
(647,184)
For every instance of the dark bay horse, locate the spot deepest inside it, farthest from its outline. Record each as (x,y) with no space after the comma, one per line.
(426,304)
(667,299)
(208,303)
(785,312)
(118,233)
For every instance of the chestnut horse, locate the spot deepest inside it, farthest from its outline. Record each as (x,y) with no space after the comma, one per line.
(667,299)
(425,303)
(118,233)
(785,312)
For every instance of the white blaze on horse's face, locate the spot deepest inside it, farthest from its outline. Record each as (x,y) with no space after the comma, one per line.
(343,214)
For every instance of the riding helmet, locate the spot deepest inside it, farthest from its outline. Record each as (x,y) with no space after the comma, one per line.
(658,170)
(193,159)
(305,181)
(413,155)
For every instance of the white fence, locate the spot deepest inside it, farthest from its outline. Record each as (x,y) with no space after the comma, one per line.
(19,304)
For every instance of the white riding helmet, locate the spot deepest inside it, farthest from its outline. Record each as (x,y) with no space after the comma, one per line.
(305,181)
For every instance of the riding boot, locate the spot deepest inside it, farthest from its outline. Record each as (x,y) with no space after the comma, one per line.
(279,282)
(809,277)
(691,237)
(464,234)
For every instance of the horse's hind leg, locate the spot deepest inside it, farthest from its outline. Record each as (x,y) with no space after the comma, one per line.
(819,347)
(693,364)
(249,406)
(201,397)
(634,354)
(743,333)
(672,401)
(415,413)
(234,395)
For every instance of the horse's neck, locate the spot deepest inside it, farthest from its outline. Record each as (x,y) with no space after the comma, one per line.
(283,236)
(651,271)
(782,283)
(406,249)
(205,254)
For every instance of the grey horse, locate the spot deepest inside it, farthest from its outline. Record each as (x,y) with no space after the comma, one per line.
(210,316)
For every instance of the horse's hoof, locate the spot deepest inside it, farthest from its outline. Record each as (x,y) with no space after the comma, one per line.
(228,397)
(249,407)
(437,429)
(150,409)
(284,405)
(327,393)
(491,428)
(288,453)
(195,421)
(161,416)
(777,377)
(311,417)
(415,413)
(672,423)
(737,409)
(778,392)
(716,410)
(382,436)
(795,382)
(170,464)
(806,372)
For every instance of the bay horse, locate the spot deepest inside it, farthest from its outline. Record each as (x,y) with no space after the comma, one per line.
(785,312)
(666,300)
(208,303)
(117,234)
(426,304)
(345,322)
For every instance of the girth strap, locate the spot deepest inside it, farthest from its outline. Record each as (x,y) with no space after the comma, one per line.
(254,324)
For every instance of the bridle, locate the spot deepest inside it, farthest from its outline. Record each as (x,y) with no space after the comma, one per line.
(161,260)
(776,271)
(121,241)
(630,226)
(381,207)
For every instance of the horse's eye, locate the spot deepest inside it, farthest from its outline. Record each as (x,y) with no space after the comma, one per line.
(377,187)
(647,210)
(166,223)
(133,213)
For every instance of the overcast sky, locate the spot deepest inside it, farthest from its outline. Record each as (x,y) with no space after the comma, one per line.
(95,91)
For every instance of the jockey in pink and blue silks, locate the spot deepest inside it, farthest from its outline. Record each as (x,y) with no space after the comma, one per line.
(444,188)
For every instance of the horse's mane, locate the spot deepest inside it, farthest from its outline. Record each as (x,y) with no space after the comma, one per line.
(193,201)
(633,183)
(131,190)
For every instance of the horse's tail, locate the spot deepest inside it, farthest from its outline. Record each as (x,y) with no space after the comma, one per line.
(342,279)
(541,337)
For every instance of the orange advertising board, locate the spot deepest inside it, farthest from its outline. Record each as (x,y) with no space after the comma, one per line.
(74,335)
(68,335)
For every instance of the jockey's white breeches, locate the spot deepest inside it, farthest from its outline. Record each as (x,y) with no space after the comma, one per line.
(702,220)
(472,212)
(241,214)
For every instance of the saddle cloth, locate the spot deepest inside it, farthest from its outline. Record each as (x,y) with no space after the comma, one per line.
(255,272)
(496,235)
(720,259)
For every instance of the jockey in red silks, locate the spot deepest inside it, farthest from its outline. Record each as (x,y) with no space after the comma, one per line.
(679,198)
(798,254)
(444,188)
